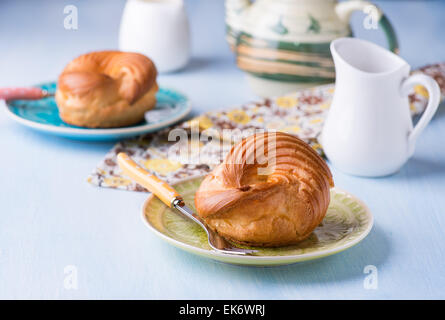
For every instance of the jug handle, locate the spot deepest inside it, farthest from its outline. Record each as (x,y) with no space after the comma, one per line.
(345,9)
(433,102)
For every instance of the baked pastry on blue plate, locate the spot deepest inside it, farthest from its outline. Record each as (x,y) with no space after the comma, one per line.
(106,89)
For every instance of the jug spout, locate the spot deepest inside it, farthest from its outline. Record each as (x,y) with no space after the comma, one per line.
(365,57)
(362,66)
(234,18)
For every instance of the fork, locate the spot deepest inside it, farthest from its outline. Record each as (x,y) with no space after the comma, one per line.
(172,199)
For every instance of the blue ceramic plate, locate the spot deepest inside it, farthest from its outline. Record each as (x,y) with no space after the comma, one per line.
(43,115)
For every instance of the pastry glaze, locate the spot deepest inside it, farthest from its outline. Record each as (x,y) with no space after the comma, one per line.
(106,89)
(280,206)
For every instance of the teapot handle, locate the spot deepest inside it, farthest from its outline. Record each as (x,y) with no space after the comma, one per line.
(433,102)
(346,8)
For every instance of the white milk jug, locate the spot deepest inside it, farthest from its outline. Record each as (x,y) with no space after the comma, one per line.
(158,29)
(369,131)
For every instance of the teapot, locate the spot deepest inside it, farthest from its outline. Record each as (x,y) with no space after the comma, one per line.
(283,45)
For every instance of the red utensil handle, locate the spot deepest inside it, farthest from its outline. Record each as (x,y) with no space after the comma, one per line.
(22,93)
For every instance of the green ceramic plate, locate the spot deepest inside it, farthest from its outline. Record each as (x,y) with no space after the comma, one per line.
(347,222)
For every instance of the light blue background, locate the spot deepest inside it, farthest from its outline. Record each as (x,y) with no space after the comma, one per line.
(50,217)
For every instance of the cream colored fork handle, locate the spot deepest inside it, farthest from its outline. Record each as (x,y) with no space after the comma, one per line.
(155,185)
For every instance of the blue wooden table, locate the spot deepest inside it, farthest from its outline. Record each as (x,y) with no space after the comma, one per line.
(55,228)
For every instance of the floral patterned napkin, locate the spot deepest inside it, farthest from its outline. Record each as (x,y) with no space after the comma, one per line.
(301,113)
